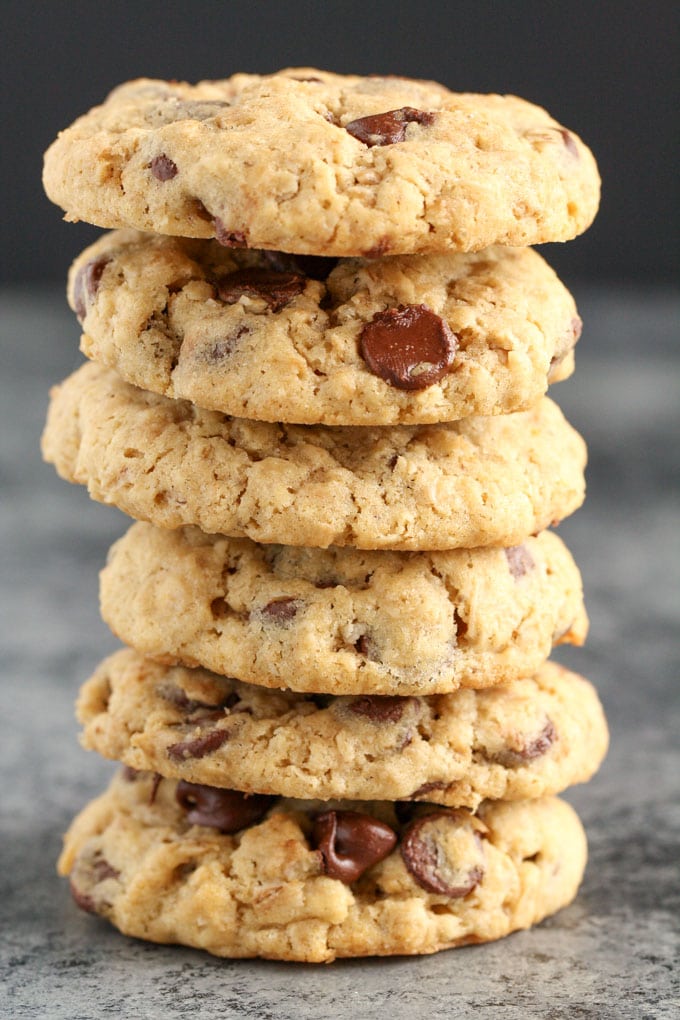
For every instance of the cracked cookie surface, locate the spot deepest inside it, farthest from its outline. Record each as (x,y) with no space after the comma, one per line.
(480,481)
(327,165)
(343,621)
(267,336)
(525,739)
(270,889)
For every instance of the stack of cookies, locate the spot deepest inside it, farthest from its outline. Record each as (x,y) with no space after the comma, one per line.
(319,354)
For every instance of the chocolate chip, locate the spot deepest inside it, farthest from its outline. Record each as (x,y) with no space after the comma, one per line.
(226,810)
(280,611)
(327,583)
(443,853)
(101,869)
(387,128)
(82,900)
(228,238)
(379,708)
(129,774)
(351,843)
(294,77)
(512,757)
(427,788)
(177,697)
(409,347)
(86,284)
(520,560)
(163,168)
(365,647)
(569,143)
(201,745)
(277,289)
(317,267)
(225,347)
(200,210)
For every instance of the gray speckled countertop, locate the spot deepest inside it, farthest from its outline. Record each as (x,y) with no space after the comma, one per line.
(611,954)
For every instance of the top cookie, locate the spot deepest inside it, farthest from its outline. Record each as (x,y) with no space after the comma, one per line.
(318,163)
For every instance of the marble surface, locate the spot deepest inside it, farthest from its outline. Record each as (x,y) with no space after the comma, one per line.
(611,954)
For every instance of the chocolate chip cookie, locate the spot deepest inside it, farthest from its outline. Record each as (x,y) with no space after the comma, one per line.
(275,337)
(310,881)
(523,739)
(480,481)
(325,164)
(343,621)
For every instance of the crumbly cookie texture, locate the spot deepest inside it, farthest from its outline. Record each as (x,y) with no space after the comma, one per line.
(263,335)
(270,889)
(307,161)
(343,621)
(522,740)
(481,481)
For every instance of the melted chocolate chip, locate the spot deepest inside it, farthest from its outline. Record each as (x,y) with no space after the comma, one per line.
(228,238)
(201,745)
(427,788)
(276,288)
(101,869)
(387,128)
(226,810)
(443,853)
(225,347)
(327,583)
(86,284)
(317,267)
(409,347)
(82,899)
(129,774)
(351,843)
(513,757)
(280,611)
(379,708)
(520,560)
(177,697)
(163,168)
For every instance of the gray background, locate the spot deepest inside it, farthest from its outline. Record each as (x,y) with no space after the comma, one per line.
(606,71)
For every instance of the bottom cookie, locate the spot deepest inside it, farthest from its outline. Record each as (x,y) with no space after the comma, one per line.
(310,880)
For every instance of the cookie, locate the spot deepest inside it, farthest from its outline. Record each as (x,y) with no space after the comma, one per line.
(524,739)
(324,164)
(343,621)
(312,881)
(480,481)
(263,335)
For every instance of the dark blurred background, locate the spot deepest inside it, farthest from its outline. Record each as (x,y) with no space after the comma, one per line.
(606,69)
